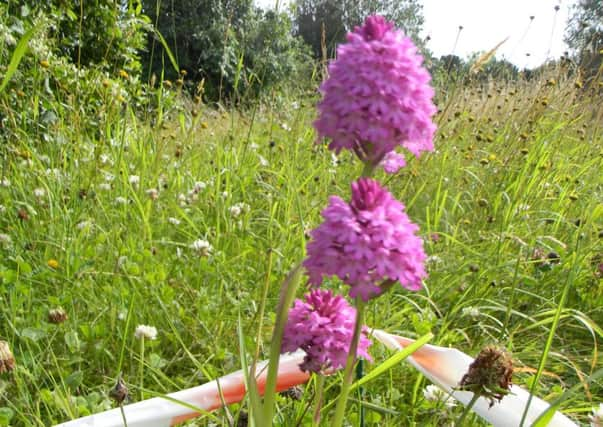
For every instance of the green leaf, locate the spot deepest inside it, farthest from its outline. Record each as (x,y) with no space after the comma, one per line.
(167,50)
(17,56)
(6,414)
(73,341)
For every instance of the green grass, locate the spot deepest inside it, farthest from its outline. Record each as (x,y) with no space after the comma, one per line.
(510,178)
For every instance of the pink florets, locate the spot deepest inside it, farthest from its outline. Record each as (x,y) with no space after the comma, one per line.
(366,241)
(392,162)
(322,326)
(377,95)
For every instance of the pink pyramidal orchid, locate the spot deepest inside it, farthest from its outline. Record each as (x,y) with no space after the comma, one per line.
(366,242)
(377,96)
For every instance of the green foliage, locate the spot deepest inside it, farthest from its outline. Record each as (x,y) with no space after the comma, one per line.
(584,35)
(341,16)
(236,49)
(98,32)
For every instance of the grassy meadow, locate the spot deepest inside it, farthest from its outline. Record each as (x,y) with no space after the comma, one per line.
(186,217)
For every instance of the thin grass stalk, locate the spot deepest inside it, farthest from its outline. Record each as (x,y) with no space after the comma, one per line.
(349,366)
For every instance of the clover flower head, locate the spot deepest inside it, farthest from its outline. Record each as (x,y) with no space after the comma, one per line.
(322,325)
(146,332)
(377,96)
(366,242)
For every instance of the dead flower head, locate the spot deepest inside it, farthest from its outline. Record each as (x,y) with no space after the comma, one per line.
(490,374)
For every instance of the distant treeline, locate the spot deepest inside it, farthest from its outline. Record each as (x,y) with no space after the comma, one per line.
(238,50)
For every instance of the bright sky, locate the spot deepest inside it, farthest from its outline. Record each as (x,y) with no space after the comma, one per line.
(488,22)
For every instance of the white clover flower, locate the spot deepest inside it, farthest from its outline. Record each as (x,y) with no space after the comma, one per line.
(153,193)
(263,162)
(286,127)
(202,247)
(182,199)
(105,186)
(199,185)
(254,146)
(174,221)
(2,209)
(433,393)
(5,240)
(5,182)
(109,177)
(239,208)
(224,194)
(121,200)
(235,211)
(39,193)
(146,332)
(596,419)
(134,180)
(295,105)
(471,311)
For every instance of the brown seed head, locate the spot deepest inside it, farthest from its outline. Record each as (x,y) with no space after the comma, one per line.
(490,374)
(7,360)
(119,393)
(57,315)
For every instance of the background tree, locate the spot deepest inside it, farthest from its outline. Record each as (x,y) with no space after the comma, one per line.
(584,35)
(338,17)
(232,45)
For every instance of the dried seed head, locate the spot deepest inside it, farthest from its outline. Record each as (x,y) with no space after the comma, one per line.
(293,393)
(7,360)
(490,374)
(57,315)
(119,392)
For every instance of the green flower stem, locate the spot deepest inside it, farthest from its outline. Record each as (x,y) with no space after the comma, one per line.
(349,366)
(459,421)
(286,299)
(318,399)
(141,368)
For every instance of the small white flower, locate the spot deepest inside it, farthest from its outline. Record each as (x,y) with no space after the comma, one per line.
(235,211)
(83,225)
(433,259)
(202,247)
(433,393)
(122,315)
(121,200)
(471,311)
(105,186)
(334,160)
(596,419)
(224,194)
(263,162)
(104,159)
(182,199)
(146,332)
(153,193)
(199,185)
(39,193)
(109,177)
(254,146)
(134,180)
(5,240)
(174,221)
(5,182)
(239,208)
(2,209)
(295,105)
(286,127)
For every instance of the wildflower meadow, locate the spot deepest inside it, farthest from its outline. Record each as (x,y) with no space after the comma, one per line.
(381,244)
